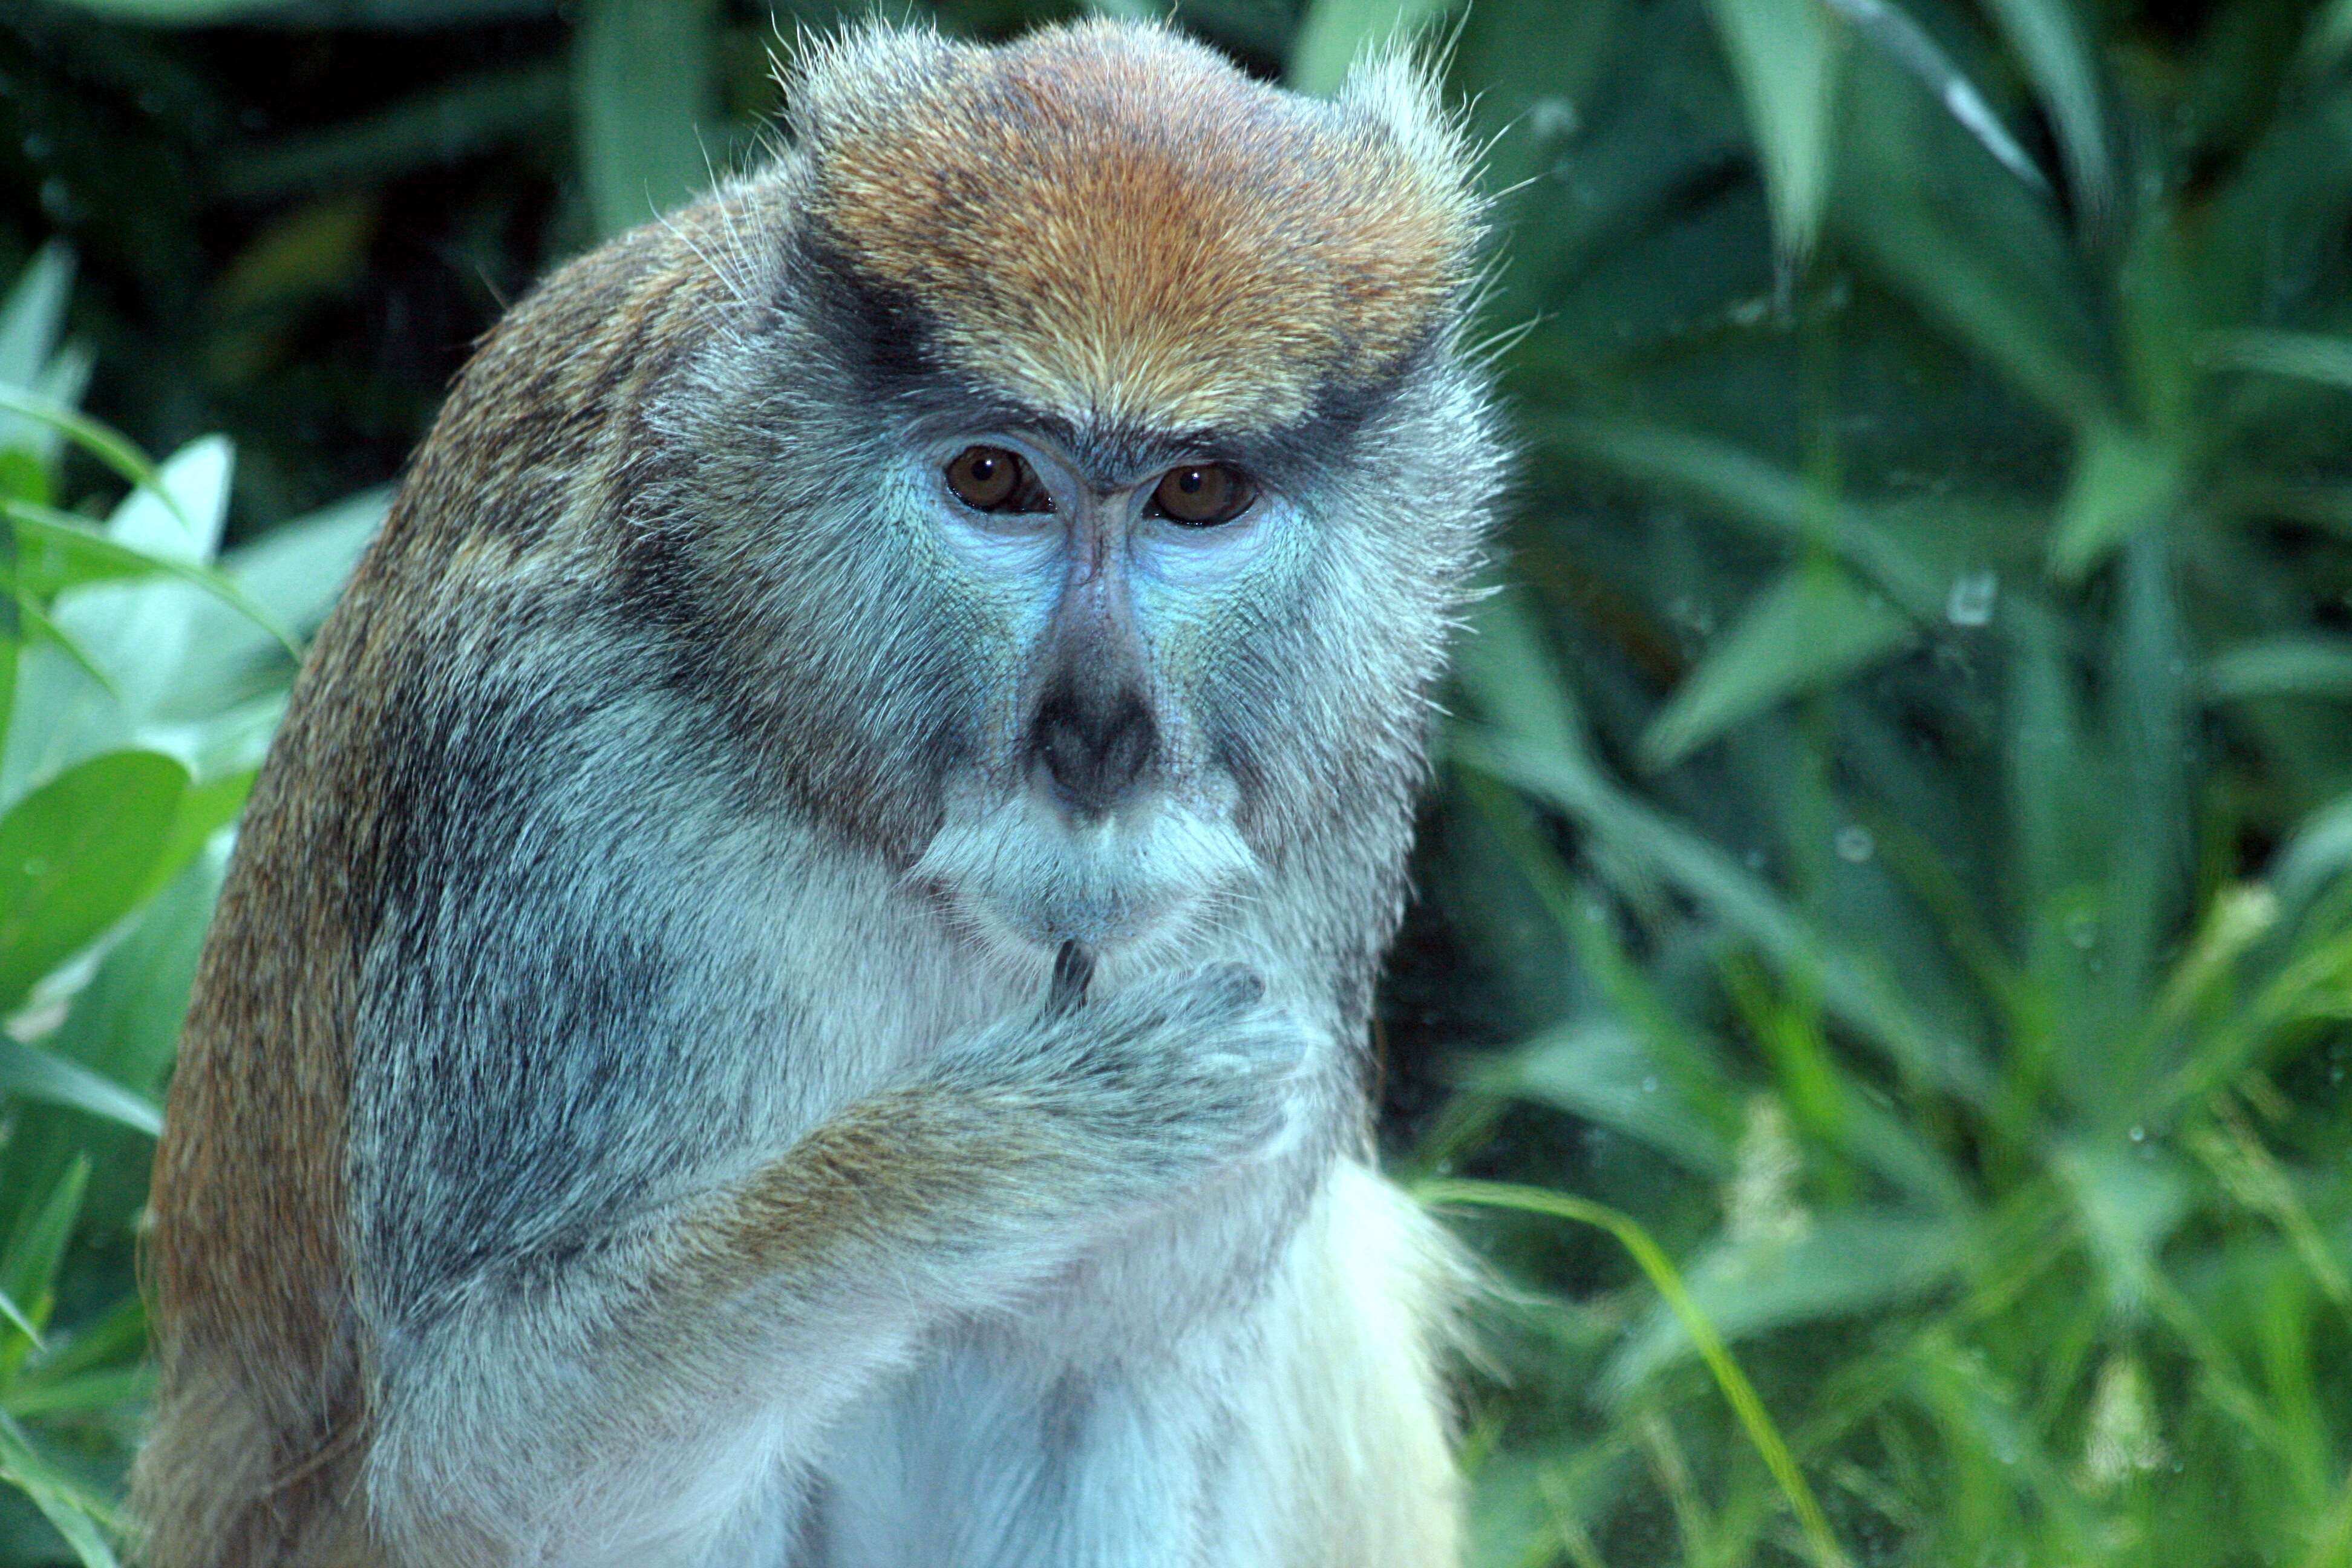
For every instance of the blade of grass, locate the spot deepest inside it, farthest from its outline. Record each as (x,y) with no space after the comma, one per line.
(90,1391)
(36,1243)
(1811,627)
(15,1314)
(2322,358)
(2047,37)
(1909,45)
(72,1509)
(1871,1002)
(95,557)
(2298,664)
(1784,55)
(1653,1262)
(105,443)
(29,1072)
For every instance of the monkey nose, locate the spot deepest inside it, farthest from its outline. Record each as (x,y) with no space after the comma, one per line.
(1093,752)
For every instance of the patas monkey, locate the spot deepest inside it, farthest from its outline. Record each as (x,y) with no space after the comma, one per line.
(794,989)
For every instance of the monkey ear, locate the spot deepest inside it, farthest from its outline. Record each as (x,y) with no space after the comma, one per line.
(857,76)
(1398,88)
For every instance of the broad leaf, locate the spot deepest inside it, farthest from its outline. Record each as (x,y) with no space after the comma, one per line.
(75,855)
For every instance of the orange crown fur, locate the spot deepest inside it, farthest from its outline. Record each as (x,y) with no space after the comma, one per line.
(1115,224)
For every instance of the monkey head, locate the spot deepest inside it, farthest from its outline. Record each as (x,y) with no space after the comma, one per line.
(1071,491)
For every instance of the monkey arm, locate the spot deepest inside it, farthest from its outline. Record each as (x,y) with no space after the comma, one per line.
(665,1367)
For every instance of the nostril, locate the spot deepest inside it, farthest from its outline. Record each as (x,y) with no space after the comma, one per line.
(1094,759)
(1127,750)
(1067,757)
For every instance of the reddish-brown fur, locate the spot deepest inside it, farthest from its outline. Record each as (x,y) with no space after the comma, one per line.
(265,1370)
(1111,222)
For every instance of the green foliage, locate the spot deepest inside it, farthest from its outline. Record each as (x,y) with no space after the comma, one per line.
(1895,840)
(143,675)
(1903,805)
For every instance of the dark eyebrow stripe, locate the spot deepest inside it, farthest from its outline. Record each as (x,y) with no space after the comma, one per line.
(887,339)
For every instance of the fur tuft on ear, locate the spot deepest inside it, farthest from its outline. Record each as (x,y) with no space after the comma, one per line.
(832,80)
(1399,87)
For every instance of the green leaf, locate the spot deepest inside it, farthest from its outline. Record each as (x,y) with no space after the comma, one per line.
(2295,665)
(1508,674)
(2150,869)
(74,1510)
(32,363)
(30,319)
(2322,358)
(205,809)
(2317,857)
(644,83)
(75,857)
(39,629)
(1682,1304)
(1784,54)
(61,551)
(294,572)
(1985,258)
(1890,29)
(89,1393)
(2122,482)
(2330,35)
(1773,503)
(103,442)
(27,1072)
(1868,1001)
(1812,627)
(11,652)
(1840,1265)
(2049,37)
(36,1243)
(1599,1070)
(2128,1198)
(123,1024)
(117,1337)
(1337,33)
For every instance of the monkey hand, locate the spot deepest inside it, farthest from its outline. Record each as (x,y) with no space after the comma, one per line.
(1143,1096)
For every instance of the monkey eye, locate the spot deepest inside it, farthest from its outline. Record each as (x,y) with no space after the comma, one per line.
(1202,495)
(990,478)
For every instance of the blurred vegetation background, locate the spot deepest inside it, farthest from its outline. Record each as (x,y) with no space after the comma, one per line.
(1882,990)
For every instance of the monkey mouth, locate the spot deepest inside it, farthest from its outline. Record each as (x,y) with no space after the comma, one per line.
(1023,872)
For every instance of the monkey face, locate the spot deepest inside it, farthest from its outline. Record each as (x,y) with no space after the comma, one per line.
(1096,809)
(1072,500)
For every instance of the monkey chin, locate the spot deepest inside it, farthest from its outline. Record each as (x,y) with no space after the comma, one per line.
(1023,878)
